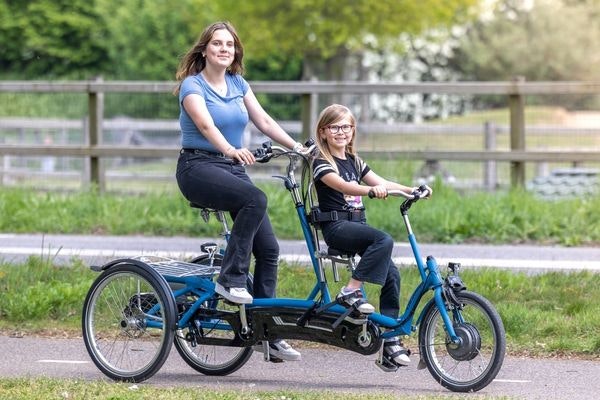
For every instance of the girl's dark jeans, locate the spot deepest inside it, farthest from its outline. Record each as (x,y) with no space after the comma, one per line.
(376,265)
(216,182)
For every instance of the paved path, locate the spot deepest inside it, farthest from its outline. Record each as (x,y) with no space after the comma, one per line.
(99,249)
(319,370)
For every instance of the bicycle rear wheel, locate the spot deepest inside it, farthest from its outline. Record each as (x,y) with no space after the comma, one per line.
(474,363)
(213,359)
(127,321)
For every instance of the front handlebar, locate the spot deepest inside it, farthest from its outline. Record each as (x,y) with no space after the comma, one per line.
(420,193)
(268,151)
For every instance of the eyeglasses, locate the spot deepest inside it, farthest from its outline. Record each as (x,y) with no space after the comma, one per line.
(333,129)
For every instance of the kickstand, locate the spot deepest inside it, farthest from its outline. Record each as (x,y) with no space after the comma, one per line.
(265,345)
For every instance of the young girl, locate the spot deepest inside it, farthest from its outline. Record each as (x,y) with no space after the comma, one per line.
(338,172)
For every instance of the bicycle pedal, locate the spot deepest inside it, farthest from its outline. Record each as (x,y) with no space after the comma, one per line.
(275,360)
(386,366)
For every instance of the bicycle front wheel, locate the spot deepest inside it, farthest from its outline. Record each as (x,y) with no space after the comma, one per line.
(212,359)
(127,323)
(474,363)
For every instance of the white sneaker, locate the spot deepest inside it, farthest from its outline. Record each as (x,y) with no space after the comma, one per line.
(356,297)
(235,295)
(395,353)
(279,348)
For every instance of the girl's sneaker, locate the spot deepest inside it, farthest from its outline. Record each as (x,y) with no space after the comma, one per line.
(279,349)
(394,352)
(350,298)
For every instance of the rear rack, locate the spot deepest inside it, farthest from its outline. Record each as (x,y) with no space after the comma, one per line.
(169,267)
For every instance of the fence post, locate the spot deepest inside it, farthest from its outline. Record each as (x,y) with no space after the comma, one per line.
(308,113)
(96,116)
(517,133)
(490,175)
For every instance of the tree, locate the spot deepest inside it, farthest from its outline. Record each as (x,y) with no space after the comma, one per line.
(146,38)
(552,40)
(44,38)
(326,33)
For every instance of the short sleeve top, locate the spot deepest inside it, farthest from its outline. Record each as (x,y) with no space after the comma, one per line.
(351,169)
(228,112)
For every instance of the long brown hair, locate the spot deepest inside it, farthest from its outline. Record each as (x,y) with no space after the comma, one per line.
(193,62)
(330,115)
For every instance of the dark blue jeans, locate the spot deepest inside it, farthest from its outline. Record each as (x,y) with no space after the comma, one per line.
(218,183)
(375,265)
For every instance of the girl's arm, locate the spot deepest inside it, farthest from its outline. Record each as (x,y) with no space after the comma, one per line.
(336,182)
(266,124)
(371,178)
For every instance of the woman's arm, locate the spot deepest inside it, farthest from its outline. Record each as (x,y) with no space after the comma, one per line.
(265,123)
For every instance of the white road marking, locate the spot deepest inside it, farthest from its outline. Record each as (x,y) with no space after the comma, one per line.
(511,381)
(63,361)
(574,265)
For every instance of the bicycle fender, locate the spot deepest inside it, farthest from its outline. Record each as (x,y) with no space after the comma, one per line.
(147,268)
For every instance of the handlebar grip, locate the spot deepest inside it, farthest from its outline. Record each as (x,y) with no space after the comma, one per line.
(264,153)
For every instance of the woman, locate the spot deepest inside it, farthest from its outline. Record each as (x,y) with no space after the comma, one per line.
(216,104)
(338,173)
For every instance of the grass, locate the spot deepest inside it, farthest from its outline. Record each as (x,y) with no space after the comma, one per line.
(449,217)
(26,389)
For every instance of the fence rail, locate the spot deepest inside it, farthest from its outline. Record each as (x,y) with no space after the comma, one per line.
(94,123)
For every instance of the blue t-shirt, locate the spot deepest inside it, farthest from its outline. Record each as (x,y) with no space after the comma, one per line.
(228,112)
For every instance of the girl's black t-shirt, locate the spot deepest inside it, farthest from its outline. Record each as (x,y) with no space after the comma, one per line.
(351,169)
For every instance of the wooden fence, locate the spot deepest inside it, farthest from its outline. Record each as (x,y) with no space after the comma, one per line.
(516,91)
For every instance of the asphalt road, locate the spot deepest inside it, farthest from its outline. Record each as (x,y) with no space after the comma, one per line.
(99,249)
(319,370)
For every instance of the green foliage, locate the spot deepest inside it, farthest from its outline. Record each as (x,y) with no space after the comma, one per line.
(325,29)
(50,39)
(524,41)
(38,291)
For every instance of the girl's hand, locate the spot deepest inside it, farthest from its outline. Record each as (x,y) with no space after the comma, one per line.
(378,191)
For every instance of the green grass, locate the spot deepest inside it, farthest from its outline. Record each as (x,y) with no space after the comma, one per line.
(548,314)
(26,389)
(449,217)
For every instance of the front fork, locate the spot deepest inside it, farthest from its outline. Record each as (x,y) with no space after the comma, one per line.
(443,294)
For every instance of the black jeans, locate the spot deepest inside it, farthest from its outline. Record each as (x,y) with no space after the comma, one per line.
(376,265)
(218,183)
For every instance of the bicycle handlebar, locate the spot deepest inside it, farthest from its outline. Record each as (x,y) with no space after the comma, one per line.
(268,151)
(420,193)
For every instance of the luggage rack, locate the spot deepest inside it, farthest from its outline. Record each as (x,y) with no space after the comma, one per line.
(176,268)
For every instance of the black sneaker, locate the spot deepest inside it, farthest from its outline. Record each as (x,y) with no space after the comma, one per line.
(279,349)
(355,299)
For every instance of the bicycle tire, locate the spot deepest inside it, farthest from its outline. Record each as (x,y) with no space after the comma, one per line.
(476,362)
(210,359)
(116,312)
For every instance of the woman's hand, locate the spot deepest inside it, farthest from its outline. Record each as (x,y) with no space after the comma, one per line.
(243,155)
